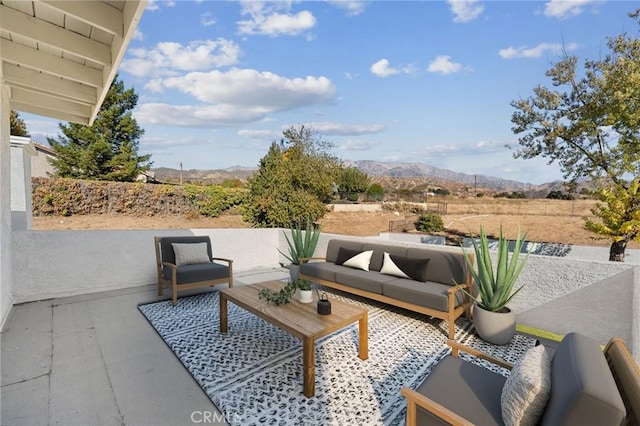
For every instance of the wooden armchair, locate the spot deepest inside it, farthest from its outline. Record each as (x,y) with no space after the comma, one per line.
(187,262)
(587,388)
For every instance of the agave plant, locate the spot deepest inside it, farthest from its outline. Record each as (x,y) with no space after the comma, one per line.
(495,285)
(302,243)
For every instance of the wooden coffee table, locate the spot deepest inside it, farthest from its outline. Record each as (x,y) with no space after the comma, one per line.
(300,320)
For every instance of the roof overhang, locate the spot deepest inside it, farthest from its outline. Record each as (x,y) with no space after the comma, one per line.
(60,57)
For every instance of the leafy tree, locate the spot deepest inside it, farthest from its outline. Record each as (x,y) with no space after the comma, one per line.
(293,182)
(620,215)
(590,124)
(17,125)
(106,150)
(559,195)
(353,179)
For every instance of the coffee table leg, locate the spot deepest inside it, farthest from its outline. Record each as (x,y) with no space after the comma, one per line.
(308,367)
(223,314)
(363,332)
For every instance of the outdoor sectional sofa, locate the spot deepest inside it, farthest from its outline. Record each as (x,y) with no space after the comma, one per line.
(433,288)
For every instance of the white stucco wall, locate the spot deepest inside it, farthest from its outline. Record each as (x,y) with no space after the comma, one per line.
(20,187)
(6,287)
(50,264)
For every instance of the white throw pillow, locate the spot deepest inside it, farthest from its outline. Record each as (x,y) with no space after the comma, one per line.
(390,268)
(360,261)
(191,253)
(526,392)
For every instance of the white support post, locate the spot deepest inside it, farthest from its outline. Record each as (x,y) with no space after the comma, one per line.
(6,283)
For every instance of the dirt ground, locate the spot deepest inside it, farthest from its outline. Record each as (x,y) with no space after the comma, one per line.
(553,229)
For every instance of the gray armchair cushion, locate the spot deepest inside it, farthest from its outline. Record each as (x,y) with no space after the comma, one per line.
(466,389)
(199,272)
(583,391)
(166,250)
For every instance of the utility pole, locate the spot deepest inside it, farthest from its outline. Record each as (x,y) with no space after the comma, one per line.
(181,173)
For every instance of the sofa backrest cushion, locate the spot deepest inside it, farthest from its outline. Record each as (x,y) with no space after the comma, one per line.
(583,390)
(166,249)
(378,253)
(333,248)
(445,267)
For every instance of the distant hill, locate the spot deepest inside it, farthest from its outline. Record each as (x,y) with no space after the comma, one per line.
(391,175)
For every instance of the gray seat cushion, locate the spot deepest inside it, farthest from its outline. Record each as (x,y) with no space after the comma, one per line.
(430,295)
(323,270)
(200,272)
(583,391)
(364,280)
(466,389)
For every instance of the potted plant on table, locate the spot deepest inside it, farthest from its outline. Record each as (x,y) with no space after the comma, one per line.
(301,245)
(493,320)
(305,290)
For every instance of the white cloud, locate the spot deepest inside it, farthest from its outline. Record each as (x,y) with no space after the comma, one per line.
(137,35)
(564,9)
(353,8)
(537,51)
(357,145)
(235,97)
(260,134)
(443,64)
(167,58)
(465,10)
(329,128)
(383,69)
(266,19)
(249,87)
(207,19)
(156,4)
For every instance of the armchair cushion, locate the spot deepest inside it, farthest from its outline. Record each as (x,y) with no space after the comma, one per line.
(200,272)
(191,253)
(526,391)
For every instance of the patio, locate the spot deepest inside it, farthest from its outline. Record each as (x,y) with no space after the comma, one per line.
(91,358)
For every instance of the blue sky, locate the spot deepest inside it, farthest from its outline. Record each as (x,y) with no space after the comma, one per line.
(415,81)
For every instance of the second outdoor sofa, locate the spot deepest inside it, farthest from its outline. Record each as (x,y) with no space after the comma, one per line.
(436,276)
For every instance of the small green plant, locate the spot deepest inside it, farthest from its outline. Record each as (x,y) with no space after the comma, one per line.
(279,297)
(303,284)
(495,285)
(429,222)
(301,246)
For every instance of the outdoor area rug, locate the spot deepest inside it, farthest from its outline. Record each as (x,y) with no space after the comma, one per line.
(253,373)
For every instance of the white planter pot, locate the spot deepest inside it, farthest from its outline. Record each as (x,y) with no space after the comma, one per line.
(494,327)
(294,271)
(305,296)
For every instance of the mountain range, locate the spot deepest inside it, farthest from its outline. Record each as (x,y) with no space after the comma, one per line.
(383,172)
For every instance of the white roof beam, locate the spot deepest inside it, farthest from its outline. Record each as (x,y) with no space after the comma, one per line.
(44,32)
(28,78)
(94,13)
(48,112)
(25,56)
(49,102)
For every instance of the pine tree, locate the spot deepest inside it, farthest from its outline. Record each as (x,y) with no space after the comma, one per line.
(106,150)
(17,125)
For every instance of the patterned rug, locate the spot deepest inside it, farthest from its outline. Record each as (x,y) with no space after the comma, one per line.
(253,373)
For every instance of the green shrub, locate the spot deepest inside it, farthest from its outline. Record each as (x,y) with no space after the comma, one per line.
(213,200)
(430,222)
(352,196)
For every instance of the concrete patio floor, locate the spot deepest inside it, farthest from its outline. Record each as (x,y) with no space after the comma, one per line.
(95,360)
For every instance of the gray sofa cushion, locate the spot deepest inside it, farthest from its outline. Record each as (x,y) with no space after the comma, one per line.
(465,388)
(323,270)
(582,388)
(200,272)
(364,280)
(445,267)
(334,246)
(378,253)
(429,294)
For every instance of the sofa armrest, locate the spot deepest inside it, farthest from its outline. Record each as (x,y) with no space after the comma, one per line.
(415,399)
(222,259)
(455,347)
(170,265)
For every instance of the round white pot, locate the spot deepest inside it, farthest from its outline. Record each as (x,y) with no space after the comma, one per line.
(494,327)
(305,296)
(294,271)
